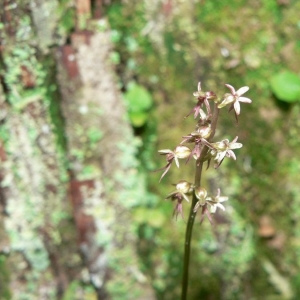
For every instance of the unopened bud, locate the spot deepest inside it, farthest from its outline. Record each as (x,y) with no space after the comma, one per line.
(204,131)
(182,151)
(210,95)
(184,187)
(201,194)
(199,94)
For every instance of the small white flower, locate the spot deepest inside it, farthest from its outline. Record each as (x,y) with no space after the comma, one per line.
(216,202)
(224,148)
(235,98)
(179,152)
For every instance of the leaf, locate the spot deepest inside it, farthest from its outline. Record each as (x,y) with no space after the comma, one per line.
(138,98)
(138,119)
(286,86)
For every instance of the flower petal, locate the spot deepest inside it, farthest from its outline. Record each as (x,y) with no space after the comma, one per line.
(234,140)
(242,90)
(232,89)
(202,114)
(213,209)
(231,154)
(171,194)
(222,199)
(199,86)
(235,146)
(176,161)
(227,100)
(185,197)
(245,100)
(165,172)
(237,107)
(165,151)
(221,206)
(220,156)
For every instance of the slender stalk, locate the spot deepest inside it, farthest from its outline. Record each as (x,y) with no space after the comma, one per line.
(192,214)
(188,234)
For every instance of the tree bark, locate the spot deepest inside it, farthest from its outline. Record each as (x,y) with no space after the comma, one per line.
(68,169)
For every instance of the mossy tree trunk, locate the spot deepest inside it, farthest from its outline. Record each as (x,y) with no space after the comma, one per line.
(68,167)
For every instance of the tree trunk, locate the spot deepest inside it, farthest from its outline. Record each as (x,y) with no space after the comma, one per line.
(68,172)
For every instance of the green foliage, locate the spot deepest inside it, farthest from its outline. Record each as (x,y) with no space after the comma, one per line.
(4,279)
(241,43)
(94,135)
(89,171)
(139,101)
(190,50)
(154,217)
(115,57)
(286,86)
(66,13)
(70,293)
(76,291)
(24,56)
(67,21)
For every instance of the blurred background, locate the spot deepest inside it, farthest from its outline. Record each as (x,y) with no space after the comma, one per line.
(90,90)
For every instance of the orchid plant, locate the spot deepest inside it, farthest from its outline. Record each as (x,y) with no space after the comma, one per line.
(199,146)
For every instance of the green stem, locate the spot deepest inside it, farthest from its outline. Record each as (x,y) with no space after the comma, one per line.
(192,215)
(188,234)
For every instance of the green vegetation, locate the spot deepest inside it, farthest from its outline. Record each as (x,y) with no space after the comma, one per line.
(4,279)
(237,43)
(286,86)
(139,102)
(161,50)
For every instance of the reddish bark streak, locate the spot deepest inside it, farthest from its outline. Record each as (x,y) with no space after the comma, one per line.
(69,61)
(98,11)
(27,78)
(84,223)
(79,38)
(6,17)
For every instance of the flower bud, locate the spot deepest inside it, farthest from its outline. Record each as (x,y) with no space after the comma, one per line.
(184,187)
(201,194)
(203,131)
(182,151)
(210,95)
(199,94)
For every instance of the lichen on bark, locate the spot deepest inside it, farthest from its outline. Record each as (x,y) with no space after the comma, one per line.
(95,103)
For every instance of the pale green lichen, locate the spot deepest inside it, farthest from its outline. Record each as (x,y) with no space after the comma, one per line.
(24,56)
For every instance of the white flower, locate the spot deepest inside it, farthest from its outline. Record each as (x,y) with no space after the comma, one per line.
(179,152)
(235,98)
(224,148)
(216,202)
